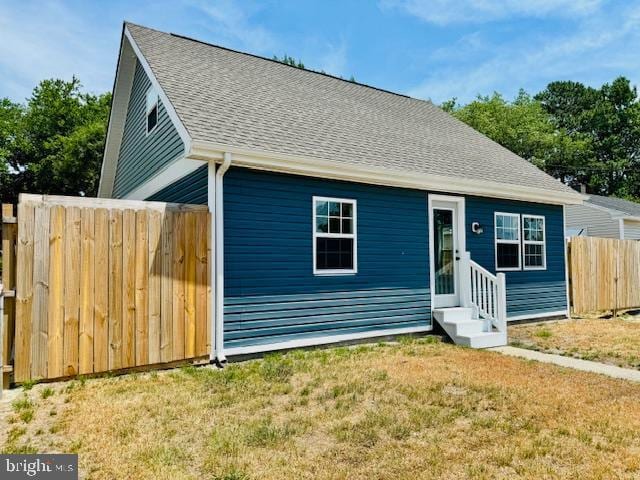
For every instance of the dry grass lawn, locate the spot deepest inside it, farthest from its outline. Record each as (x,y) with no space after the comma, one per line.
(614,341)
(417,409)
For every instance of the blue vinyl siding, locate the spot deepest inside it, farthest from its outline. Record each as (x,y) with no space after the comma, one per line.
(191,188)
(271,293)
(529,292)
(142,156)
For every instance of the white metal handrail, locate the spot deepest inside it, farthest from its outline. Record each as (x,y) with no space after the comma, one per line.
(484,291)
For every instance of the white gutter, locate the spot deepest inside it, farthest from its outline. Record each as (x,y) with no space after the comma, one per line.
(216,208)
(315,167)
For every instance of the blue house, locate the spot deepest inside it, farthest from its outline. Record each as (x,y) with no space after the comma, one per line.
(341,211)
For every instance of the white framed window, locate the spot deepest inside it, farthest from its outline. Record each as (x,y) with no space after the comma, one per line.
(507,241)
(335,242)
(151,110)
(534,242)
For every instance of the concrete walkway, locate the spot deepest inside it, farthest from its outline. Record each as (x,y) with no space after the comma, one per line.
(584,365)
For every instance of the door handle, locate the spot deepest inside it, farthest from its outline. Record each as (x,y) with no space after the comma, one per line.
(457,258)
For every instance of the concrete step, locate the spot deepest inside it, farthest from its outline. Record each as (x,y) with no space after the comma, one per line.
(453,313)
(483,340)
(467,327)
(463,329)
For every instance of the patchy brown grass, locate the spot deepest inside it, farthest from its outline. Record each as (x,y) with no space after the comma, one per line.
(615,341)
(417,409)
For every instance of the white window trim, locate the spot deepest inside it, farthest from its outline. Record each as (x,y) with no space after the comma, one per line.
(535,242)
(148,107)
(354,235)
(512,242)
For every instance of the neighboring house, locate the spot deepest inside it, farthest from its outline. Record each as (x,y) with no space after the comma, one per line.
(604,217)
(349,211)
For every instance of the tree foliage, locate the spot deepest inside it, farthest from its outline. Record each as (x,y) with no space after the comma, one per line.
(54,143)
(576,133)
(287,60)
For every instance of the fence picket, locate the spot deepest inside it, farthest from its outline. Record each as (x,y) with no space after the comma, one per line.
(39,316)
(605,274)
(141,288)
(24,291)
(71,290)
(105,285)
(101,292)
(87,290)
(115,289)
(154,269)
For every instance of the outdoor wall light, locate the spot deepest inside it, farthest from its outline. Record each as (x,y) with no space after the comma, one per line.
(476,228)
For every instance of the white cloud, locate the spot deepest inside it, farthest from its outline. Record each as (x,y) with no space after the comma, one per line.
(445,12)
(597,49)
(334,61)
(225,18)
(47,40)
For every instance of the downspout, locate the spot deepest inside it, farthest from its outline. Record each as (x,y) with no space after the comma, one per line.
(215,199)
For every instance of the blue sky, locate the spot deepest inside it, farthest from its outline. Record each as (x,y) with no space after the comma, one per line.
(428,49)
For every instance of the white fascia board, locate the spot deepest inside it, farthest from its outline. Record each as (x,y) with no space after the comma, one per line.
(171,111)
(119,104)
(129,52)
(314,167)
(627,217)
(170,174)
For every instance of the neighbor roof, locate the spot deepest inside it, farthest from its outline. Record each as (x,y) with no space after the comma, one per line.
(626,207)
(241,100)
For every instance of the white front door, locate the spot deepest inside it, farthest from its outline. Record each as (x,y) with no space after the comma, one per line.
(447,241)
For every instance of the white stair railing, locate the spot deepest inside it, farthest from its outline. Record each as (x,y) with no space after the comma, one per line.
(484,291)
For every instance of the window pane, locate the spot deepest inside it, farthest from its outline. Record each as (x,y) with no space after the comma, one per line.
(346,225)
(533,256)
(347,210)
(506,227)
(334,253)
(322,208)
(334,225)
(322,224)
(334,209)
(533,229)
(152,118)
(443,244)
(507,255)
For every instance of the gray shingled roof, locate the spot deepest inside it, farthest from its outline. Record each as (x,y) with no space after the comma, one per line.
(244,101)
(626,207)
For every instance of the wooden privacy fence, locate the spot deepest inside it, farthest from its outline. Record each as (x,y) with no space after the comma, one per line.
(604,273)
(105,285)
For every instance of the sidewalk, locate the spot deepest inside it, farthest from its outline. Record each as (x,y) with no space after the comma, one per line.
(584,365)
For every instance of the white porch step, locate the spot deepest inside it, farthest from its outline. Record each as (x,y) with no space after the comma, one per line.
(463,329)
(483,340)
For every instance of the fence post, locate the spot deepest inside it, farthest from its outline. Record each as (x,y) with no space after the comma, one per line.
(502,302)
(8,225)
(465,279)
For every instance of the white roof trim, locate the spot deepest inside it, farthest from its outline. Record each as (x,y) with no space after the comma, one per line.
(119,105)
(173,172)
(129,52)
(316,167)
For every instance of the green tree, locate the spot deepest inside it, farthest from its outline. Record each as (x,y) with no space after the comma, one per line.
(53,144)
(525,128)
(609,118)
